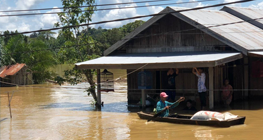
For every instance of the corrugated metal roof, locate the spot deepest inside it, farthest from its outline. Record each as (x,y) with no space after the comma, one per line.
(256,53)
(156,60)
(11,70)
(246,14)
(242,36)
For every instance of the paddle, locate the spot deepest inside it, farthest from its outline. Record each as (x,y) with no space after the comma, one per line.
(179,100)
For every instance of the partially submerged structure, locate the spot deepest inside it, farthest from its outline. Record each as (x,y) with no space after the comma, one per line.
(17,74)
(223,44)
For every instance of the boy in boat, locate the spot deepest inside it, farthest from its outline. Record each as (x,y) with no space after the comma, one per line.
(162,104)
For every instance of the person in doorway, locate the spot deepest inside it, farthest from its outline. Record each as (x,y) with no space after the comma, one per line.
(170,85)
(162,104)
(227,93)
(190,106)
(201,86)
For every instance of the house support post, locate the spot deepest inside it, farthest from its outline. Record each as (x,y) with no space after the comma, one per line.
(143,97)
(98,88)
(245,95)
(211,88)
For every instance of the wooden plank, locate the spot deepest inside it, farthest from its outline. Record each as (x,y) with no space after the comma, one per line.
(134,33)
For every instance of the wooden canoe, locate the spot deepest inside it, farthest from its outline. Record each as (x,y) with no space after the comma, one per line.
(185,119)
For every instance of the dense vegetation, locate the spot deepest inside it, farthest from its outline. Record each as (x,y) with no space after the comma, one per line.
(40,51)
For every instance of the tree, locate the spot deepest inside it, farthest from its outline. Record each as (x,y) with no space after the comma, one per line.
(13,46)
(39,58)
(33,52)
(126,29)
(79,46)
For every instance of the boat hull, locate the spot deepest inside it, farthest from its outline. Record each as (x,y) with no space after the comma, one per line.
(185,119)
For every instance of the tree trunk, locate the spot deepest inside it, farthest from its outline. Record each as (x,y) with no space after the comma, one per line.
(89,77)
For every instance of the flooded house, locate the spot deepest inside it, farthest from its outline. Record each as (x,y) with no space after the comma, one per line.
(223,44)
(17,74)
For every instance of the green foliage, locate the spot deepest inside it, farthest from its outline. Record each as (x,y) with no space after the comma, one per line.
(40,51)
(155,111)
(77,46)
(59,80)
(93,103)
(104,38)
(34,53)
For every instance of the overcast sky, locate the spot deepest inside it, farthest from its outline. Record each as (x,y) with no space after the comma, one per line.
(27,23)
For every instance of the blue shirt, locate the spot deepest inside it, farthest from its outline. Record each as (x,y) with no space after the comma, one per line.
(160,106)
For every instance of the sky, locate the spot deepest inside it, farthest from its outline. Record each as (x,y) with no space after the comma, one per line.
(29,23)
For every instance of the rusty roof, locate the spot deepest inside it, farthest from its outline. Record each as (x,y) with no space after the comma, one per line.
(10,70)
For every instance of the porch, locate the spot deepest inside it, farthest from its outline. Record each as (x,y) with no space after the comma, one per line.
(157,63)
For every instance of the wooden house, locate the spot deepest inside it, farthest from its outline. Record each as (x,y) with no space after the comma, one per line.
(226,46)
(17,74)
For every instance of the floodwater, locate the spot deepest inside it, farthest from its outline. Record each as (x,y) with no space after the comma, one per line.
(47,113)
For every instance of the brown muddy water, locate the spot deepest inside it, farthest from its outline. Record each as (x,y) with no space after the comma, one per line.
(46,113)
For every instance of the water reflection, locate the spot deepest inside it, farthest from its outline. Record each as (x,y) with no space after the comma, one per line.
(206,135)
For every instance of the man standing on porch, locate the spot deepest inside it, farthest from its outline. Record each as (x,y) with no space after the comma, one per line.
(201,86)
(170,85)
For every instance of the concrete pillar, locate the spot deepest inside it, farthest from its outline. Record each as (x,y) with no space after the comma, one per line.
(211,88)
(98,88)
(246,86)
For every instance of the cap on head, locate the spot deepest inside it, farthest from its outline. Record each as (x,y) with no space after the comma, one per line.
(163,94)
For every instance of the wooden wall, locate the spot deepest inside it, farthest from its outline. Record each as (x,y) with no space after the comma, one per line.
(166,36)
(134,94)
(255,82)
(186,83)
(22,77)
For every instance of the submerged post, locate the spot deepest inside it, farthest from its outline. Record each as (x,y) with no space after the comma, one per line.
(9,103)
(98,88)
(211,88)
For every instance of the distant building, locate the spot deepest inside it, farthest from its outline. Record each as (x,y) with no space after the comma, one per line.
(226,43)
(17,74)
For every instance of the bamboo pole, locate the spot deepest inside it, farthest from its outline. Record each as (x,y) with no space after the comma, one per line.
(9,103)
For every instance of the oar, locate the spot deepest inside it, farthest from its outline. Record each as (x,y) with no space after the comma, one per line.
(164,110)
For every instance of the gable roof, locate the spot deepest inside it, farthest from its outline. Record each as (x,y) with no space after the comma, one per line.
(135,32)
(243,36)
(11,69)
(247,14)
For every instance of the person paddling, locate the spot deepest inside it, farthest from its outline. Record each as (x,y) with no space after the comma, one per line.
(163,104)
